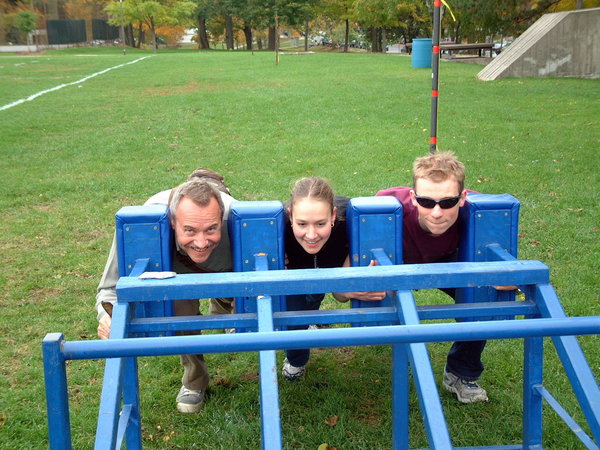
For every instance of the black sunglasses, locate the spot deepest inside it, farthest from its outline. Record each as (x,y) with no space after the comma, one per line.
(445,203)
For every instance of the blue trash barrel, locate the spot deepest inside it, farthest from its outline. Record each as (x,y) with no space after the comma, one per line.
(421,52)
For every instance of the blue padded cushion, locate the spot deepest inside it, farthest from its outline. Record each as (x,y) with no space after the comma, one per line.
(382,230)
(143,232)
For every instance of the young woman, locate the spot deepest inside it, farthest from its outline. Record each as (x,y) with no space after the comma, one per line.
(315,237)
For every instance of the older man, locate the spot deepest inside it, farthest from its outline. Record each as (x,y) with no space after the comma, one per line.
(431,235)
(199,210)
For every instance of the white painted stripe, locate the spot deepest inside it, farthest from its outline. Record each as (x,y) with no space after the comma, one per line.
(56,88)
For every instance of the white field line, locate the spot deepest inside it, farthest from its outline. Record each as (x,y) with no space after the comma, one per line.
(56,88)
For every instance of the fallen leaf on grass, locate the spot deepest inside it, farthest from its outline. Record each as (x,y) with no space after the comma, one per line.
(331,421)
(250,376)
(326,447)
(222,381)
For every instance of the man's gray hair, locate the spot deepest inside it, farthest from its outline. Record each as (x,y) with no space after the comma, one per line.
(201,191)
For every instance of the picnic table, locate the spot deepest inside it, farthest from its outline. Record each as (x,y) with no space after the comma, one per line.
(480,46)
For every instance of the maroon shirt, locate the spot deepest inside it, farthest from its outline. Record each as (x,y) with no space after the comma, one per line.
(419,246)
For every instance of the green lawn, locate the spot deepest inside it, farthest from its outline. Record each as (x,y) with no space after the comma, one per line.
(71,158)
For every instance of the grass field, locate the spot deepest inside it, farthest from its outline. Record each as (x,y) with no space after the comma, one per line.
(71,158)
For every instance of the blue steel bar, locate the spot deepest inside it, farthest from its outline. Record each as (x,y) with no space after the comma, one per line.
(400,389)
(349,279)
(323,317)
(338,337)
(579,372)
(533,367)
(431,408)
(112,387)
(57,397)
(425,384)
(131,400)
(496,253)
(400,376)
(110,401)
(575,428)
(123,421)
(269,393)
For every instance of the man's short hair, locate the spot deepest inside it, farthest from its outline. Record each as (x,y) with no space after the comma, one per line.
(199,190)
(439,167)
(212,176)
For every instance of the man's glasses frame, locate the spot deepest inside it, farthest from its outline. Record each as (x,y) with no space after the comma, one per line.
(445,203)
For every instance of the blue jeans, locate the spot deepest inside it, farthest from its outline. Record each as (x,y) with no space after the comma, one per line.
(464,358)
(303,302)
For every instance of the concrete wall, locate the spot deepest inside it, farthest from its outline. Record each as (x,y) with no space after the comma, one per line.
(565,44)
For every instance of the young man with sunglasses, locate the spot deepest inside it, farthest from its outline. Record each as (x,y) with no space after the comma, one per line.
(431,235)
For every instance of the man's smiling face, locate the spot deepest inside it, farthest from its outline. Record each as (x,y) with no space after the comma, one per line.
(197,228)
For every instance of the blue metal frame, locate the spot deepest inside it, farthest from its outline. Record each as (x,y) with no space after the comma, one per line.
(144,232)
(257,227)
(544,317)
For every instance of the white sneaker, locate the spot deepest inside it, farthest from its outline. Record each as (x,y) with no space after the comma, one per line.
(189,400)
(292,372)
(467,391)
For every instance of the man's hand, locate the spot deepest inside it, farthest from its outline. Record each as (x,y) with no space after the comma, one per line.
(371,296)
(104,327)
(505,288)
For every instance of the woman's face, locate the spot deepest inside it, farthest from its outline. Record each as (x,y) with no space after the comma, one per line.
(312,221)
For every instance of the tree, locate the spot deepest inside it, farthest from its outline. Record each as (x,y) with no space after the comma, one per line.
(477,21)
(568,5)
(408,19)
(253,15)
(293,13)
(151,13)
(414,20)
(26,22)
(205,10)
(341,11)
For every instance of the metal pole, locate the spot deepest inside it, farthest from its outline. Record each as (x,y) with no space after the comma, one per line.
(276,39)
(435,65)
(333,337)
(122,30)
(57,394)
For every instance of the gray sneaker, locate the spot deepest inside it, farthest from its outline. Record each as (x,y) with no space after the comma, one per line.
(189,400)
(466,391)
(292,372)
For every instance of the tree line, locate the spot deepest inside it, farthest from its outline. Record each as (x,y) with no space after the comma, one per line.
(371,23)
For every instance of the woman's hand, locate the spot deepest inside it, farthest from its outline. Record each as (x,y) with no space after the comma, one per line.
(368,296)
